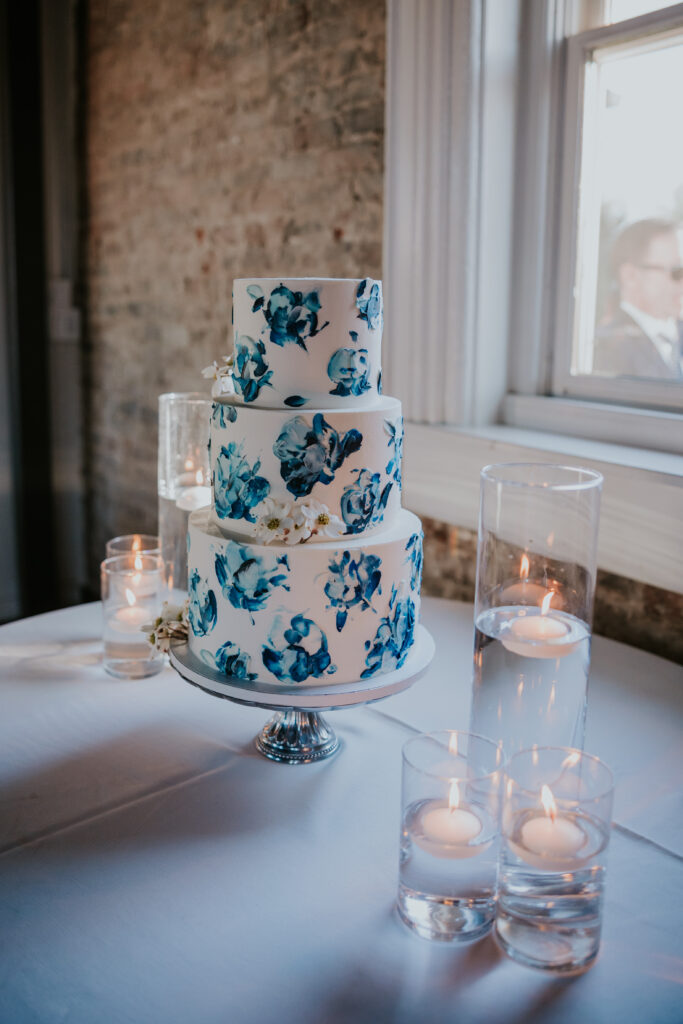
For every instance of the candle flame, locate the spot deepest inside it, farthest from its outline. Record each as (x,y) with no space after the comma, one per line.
(189,464)
(130,597)
(524,568)
(137,542)
(545,603)
(548,801)
(199,476)
(454,796)
(453,744)
(137,564)
(571,759)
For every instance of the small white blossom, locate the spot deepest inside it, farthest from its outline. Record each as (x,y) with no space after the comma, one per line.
(320,521)
(172,624)
(277,521)
(223,386)
(221,374)
(211,372)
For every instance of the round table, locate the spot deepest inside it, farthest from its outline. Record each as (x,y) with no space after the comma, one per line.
(155,868)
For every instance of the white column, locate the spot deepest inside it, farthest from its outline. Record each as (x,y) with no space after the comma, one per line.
(449,162)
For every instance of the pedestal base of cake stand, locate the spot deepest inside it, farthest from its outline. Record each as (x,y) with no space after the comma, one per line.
(297,733)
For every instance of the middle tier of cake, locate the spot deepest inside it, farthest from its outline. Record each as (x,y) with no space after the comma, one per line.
(346,459)
(332,612)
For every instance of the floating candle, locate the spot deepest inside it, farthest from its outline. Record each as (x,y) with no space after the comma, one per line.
(444,829)
(193,497)
(129,620)
(538,633)
(551,841)
(525,591)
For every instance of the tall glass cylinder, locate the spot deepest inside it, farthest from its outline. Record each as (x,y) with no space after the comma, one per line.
(184,478)
(536,569)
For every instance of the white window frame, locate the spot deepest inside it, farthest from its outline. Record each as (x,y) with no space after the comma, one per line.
(623,391)
(471,221)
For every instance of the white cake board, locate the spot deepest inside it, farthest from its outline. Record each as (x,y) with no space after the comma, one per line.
(323,697)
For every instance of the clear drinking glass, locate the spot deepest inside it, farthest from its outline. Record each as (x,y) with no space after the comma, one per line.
(536,568)
(133,590)
(184,478)
(135,543)
(557,810)
(449,835)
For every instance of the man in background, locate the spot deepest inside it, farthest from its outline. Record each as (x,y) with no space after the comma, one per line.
(642,337)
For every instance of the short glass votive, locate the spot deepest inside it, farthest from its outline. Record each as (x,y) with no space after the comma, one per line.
(133,590)
(557,810)
(449,835)
(133,543)
(184,478)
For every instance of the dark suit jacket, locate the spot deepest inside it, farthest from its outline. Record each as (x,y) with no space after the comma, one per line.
(622,348)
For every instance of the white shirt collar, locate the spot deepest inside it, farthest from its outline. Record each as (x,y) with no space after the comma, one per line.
(662,333)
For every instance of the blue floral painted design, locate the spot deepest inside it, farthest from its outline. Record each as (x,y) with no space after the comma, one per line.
(395,432)
(222,415)
(250,371)
(369,303)
(379,383)
(291,316)
(234,662)
(237,486)
(414,559)
(255,292)
(393,639)
(349,369)
(297,651)
(295,401)
(202,610)
(363,502)
(352,581)
(246,579)
(311,454)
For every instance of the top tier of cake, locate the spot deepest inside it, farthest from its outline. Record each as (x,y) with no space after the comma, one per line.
(307,343)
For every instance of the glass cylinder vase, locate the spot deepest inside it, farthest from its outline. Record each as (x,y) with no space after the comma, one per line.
(536,568)
(557,811)
(184,478)
(132,588)
(450,813)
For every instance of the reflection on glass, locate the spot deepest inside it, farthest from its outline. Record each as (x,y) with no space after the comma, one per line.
(630,267)
(620,10)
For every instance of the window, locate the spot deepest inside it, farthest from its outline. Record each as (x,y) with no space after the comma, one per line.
(620,286)
(480,231)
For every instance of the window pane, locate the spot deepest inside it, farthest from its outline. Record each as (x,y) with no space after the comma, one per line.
(620,10)
(629,313)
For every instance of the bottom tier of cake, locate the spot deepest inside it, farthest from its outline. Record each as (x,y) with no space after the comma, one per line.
(327,612)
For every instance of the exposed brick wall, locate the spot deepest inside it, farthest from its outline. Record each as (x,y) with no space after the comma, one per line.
(223,139)
(227,139)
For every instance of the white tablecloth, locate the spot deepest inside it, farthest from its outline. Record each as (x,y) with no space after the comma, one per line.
(155,869)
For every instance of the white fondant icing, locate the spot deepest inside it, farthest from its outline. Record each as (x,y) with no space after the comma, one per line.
(344,458)
(309,357)
(333,612)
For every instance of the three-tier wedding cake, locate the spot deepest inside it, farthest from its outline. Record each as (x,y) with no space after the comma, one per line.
(305,569)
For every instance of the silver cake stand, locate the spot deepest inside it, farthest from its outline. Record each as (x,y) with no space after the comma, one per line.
(298,733)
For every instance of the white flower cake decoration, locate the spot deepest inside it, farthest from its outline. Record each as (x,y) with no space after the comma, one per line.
(295,522)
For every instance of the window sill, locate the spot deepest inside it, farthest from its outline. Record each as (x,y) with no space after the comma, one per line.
(642,505)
